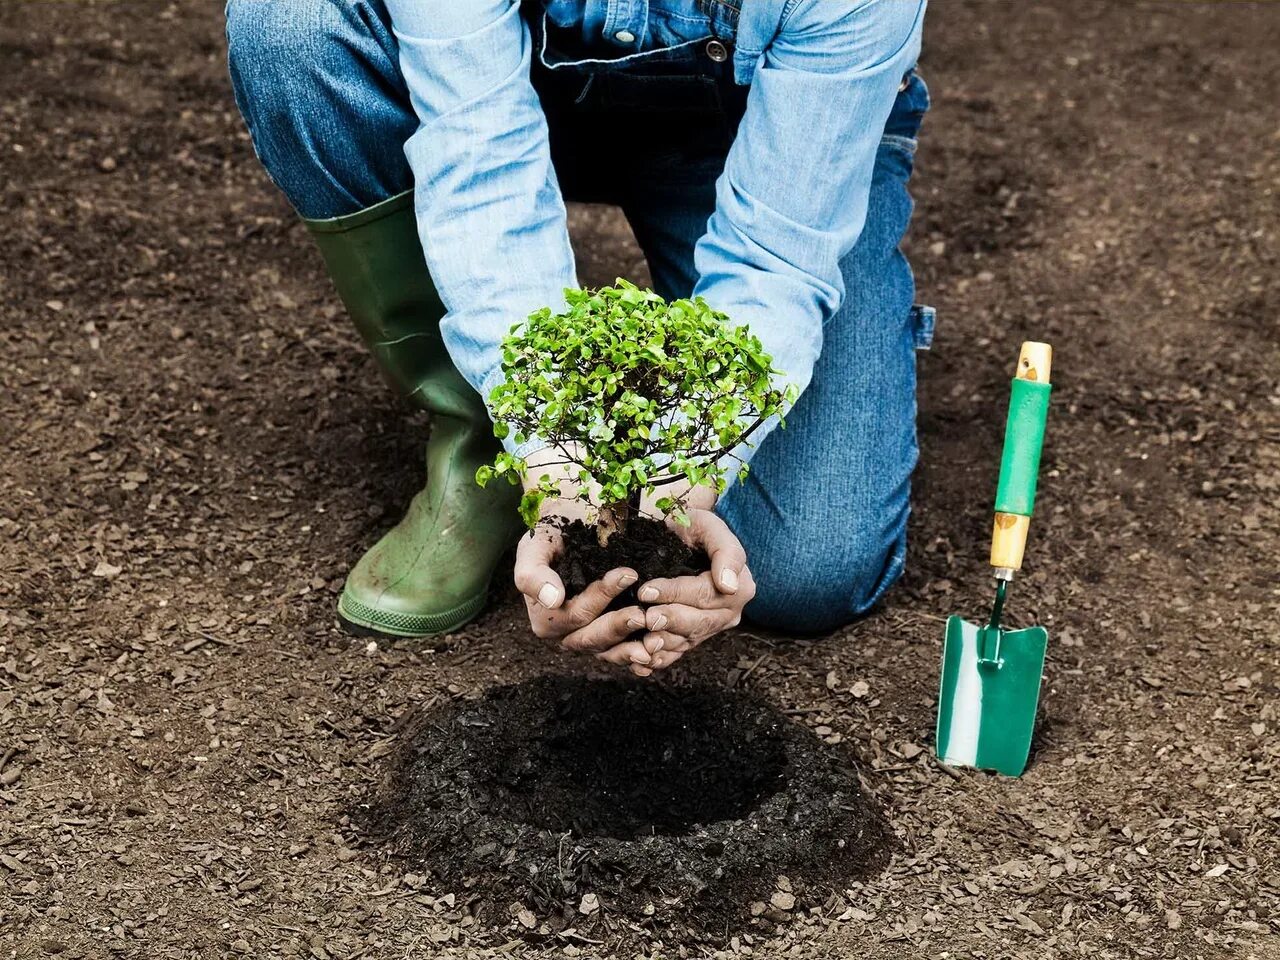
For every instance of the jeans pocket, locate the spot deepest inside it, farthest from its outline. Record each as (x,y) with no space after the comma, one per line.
(922,323)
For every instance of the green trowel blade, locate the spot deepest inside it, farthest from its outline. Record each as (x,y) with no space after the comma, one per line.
(987,700)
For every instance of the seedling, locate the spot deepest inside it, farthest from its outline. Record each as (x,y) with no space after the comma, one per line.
(636,394)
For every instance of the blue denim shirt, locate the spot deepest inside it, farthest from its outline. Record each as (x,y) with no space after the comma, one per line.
(790,204)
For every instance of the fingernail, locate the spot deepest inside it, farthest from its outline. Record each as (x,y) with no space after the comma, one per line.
(626,580)
(640,656)
(660,622)
(648,594)
(653,643)
(548,596)
(636,623)
(729,580)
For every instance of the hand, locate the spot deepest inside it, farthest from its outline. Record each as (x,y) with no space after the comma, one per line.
(579,625)
(685,611)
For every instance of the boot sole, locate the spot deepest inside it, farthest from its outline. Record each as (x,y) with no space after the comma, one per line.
(364,621)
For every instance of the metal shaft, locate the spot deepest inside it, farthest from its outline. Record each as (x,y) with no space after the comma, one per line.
(1002,588)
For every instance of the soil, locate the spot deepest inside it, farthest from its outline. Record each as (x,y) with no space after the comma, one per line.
(197,448)
(671,809)
(646,546)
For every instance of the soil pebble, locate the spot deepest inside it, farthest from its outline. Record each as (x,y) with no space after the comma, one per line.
(605,804)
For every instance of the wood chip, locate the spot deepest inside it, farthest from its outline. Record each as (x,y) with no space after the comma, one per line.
(783,900)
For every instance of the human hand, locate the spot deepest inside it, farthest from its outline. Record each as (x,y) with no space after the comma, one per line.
(579,624)
(691,608)
(684,611)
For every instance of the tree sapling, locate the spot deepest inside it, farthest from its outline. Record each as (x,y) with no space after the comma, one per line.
(633,394)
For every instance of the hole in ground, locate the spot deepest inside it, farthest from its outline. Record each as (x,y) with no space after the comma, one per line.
(674,807)
(618,760)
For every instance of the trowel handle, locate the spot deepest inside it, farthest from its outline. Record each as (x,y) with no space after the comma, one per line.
(1020,464)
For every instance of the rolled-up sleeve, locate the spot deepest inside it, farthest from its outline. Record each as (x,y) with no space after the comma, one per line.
(792,200)
(489,208)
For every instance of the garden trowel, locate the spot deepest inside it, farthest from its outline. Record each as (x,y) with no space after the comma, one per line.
(991,676)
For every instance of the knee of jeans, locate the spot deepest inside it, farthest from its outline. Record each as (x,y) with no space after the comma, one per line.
(272,45)
(816,583)
(260,33)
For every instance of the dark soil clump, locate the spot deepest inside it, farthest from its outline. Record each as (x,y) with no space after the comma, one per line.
(676,807)
(646,546)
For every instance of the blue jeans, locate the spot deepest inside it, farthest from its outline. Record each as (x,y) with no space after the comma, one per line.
(823,512)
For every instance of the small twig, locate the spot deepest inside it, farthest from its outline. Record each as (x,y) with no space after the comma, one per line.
(325,722)
(751,669)
(573,934)
(409,713)
(929,616)
(946,768)
(201,640)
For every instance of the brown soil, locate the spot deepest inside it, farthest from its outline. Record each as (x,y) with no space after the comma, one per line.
(681,806)
(646,546)
(197,448)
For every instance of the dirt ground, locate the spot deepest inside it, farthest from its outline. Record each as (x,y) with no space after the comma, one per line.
(196,449)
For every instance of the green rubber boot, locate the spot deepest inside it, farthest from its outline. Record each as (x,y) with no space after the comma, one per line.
(430,574)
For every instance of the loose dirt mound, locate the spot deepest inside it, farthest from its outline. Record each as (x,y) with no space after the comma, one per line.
(657,804)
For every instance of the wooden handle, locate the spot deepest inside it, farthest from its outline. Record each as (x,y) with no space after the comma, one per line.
(1020,464)
(1035,360)
(1009,540)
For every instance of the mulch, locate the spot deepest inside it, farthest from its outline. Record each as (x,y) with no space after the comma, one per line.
(197,449)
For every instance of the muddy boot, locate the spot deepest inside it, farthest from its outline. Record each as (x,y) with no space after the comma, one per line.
(430,574)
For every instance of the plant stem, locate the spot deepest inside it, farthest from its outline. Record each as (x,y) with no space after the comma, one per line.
(614,518)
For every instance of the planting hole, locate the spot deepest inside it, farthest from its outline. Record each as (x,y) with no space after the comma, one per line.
(667,804)
(618,760)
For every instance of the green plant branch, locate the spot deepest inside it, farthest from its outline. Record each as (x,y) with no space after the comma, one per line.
(622,380)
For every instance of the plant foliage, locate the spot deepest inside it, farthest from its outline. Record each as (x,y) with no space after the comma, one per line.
(636,392)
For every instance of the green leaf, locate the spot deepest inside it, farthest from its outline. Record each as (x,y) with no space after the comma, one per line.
(628,382)
(531,507)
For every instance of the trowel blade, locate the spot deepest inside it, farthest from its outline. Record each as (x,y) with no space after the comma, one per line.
(988,695)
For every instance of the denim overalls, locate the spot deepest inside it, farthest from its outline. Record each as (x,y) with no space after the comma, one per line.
(823,513)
